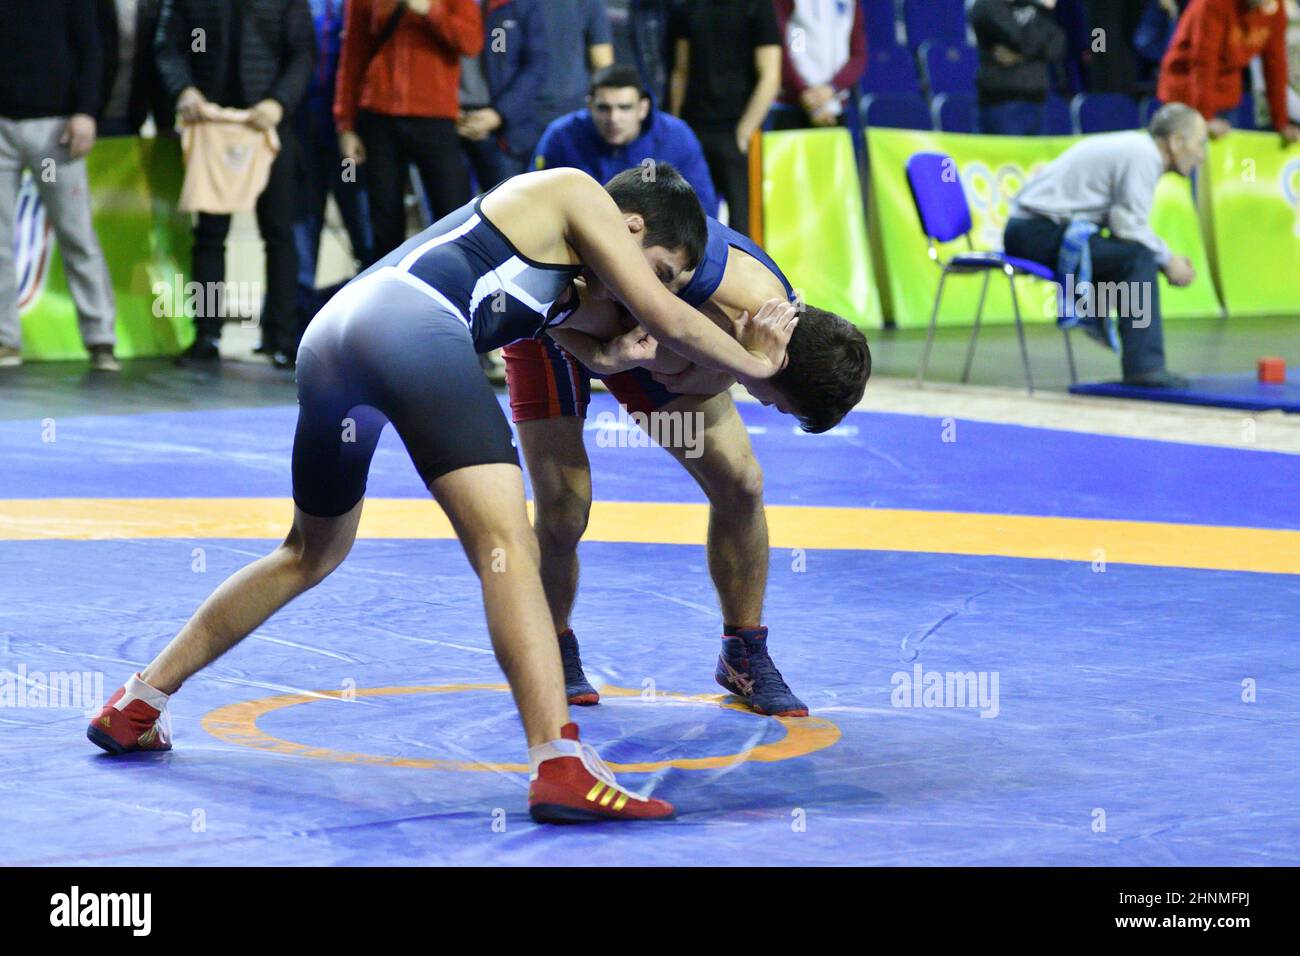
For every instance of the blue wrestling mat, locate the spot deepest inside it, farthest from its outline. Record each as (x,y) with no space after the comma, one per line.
(1224,391)
(1018,646)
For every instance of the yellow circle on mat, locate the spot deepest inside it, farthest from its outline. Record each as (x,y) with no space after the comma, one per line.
(237,724)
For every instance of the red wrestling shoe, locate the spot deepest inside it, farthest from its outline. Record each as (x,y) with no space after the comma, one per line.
(571,784)
(135,718)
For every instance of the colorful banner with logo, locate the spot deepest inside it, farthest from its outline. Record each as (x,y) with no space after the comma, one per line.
(1251,201)
(993,169)
(134,186)
(814,224)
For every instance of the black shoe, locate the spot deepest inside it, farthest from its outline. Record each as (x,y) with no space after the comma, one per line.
(1158,379)
(202,352)
(282,359)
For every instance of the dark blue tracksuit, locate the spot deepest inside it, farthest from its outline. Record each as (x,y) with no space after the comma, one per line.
(573,140)
(515,62)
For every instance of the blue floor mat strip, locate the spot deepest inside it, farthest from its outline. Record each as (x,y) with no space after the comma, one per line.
(1245,392)
(873,460)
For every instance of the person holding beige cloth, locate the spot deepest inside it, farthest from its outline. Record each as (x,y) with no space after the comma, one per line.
(237,70)
(227,160)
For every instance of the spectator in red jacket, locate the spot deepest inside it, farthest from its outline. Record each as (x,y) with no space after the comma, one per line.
(397,100)
(825,48)
(1216,40)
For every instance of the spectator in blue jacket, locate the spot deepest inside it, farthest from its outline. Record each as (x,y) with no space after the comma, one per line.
(620,129)
(502,91)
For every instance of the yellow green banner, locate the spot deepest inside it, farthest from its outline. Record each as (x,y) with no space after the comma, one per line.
(1250,199)
(814,224)
(134,184)
(992,170)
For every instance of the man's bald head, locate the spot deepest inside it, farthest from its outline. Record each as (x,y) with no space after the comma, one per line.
(1182,134)
(1174,118)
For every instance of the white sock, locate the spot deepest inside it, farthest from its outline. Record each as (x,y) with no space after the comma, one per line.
(137,689)
(549,751)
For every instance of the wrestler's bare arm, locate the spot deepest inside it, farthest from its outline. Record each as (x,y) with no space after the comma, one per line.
(603,336)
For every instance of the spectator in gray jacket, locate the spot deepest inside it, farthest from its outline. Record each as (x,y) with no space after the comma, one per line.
(1109,181)
(51,71)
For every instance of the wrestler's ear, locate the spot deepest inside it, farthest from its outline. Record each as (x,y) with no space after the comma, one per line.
(635,223)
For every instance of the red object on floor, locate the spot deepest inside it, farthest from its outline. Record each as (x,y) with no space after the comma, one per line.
(1272,371)
(137,726)
(564,790)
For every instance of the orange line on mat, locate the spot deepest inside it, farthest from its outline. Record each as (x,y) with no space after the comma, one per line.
(237,724)
(864,529)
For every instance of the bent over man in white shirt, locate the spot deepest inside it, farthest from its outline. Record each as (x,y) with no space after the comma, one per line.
(1109,181)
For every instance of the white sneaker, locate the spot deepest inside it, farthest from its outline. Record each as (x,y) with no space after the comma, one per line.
(10,356)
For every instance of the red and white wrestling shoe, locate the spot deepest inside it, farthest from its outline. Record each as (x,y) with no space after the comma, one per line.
(135,718)
(571,784)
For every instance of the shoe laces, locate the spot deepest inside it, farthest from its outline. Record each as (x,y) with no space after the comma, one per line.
(158,728)
(164,724)
(598,768)
(573,668)
(572,662)
(763,671)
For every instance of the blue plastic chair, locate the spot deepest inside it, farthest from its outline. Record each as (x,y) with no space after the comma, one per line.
(891,69)
(897,110)
(955,113)
(1104,113)
(881,21)
(948,67)
(934,20)
(1057,120)
(945,215)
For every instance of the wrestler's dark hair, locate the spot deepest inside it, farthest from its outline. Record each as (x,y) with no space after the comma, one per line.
(830,362)
(618,76)
(661,196)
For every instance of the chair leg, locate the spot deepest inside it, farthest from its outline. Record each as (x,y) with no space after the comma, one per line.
(929,336)
(975,332)
(1020,333)
(1069,355)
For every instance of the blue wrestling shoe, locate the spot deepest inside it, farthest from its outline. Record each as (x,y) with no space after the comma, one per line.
(745,669)
(577,687)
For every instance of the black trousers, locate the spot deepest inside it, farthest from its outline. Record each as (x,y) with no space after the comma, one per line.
(489,164)
(788,118)
(1113,260)
(729,169)
(1117,71)
(392,144)
(275,215)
